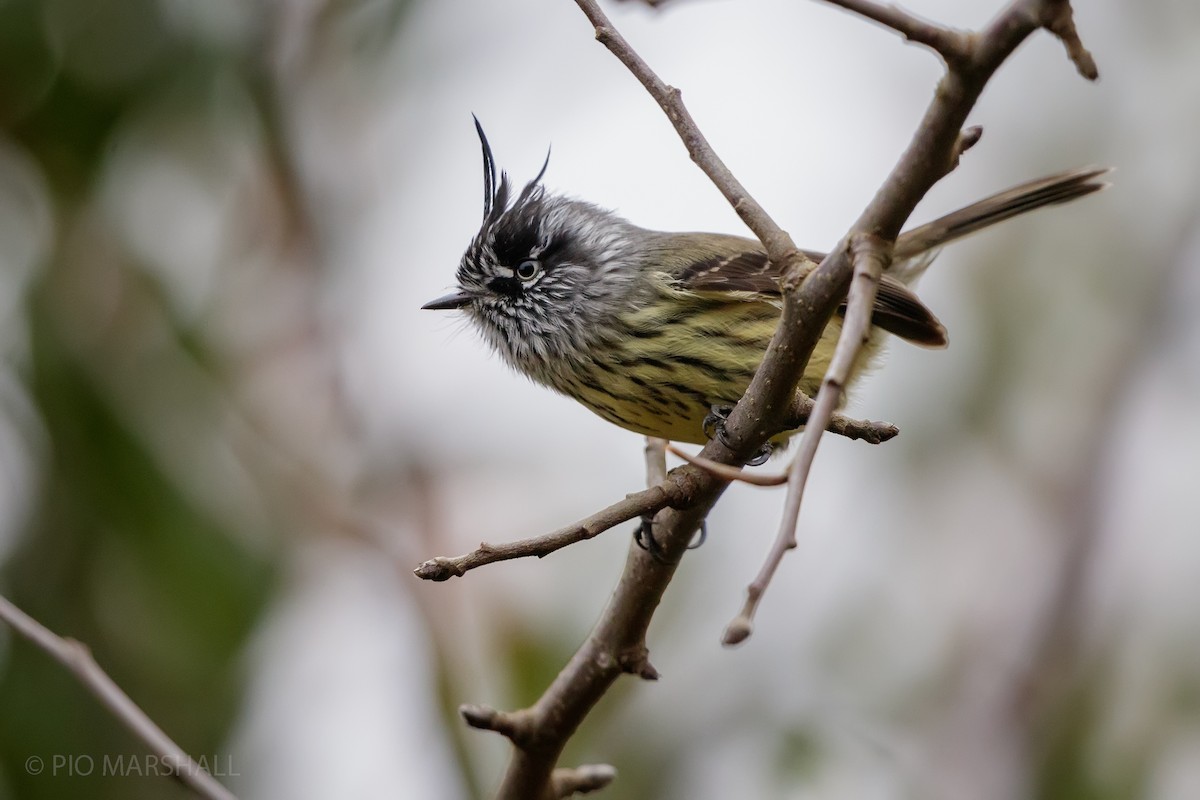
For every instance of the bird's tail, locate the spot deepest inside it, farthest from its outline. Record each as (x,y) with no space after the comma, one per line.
(1050,190)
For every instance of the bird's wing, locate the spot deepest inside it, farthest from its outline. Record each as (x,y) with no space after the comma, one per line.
(741,265)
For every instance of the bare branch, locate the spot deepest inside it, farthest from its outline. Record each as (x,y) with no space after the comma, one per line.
(779,244)
(78,660)
(726,472)
(656,461)
(862,430)
(647,501)
(868,431)
(871,256)
(953,46)
(933,152)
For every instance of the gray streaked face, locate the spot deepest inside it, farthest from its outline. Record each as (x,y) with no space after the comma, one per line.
(545,275)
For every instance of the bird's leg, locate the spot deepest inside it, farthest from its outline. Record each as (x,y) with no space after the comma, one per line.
(714,428)
(643,535)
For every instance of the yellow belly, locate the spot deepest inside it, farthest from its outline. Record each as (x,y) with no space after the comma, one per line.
(669,364)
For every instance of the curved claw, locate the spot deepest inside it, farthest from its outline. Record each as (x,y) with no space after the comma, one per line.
(761,456)
(714,428)
(643,537)
(714,422)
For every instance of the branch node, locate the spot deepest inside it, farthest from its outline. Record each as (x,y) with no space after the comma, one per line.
(78,652)
(869,431)
(439,569)
(636,661)
(486,718)
(1060,21)
(967,138)
(581,780)
(738,631)
(796,268)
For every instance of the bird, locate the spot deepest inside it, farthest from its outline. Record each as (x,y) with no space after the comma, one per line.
(661,332)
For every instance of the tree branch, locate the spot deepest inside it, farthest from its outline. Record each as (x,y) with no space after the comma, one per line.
(727,472)
(656,461)
(779,244)
(869,431)
(647,501)
(810,296)
(953,46)
(871,256)
(78,660)
(933,152)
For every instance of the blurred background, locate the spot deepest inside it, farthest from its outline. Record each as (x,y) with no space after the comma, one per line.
(227,433)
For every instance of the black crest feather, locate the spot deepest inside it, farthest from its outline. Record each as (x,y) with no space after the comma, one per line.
(533,189)
(495,193)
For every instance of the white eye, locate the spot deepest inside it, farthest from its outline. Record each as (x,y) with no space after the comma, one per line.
(528,269)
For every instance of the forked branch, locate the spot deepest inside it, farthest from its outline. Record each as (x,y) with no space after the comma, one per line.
(934,151)
(810,296)
(662,492)
(952,45)
(871,256)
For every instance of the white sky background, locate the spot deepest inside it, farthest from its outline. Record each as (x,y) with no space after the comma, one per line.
(902,591)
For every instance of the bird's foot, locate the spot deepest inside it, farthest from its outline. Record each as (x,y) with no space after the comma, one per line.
(643,535)
(714,428)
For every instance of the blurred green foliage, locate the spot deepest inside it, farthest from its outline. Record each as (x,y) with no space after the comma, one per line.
(117,551)
(148,214)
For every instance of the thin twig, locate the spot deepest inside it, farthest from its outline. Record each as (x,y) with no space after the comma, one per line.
(647,501)
(863,430)
(803,318)
(934,151)
(953,46)
(1060,21)
(871,256)
(727,472)
(854,429)
(78,660)
(778,243)
(656,461)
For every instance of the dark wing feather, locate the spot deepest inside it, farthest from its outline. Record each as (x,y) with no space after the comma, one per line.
(897,310)
(747,271)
